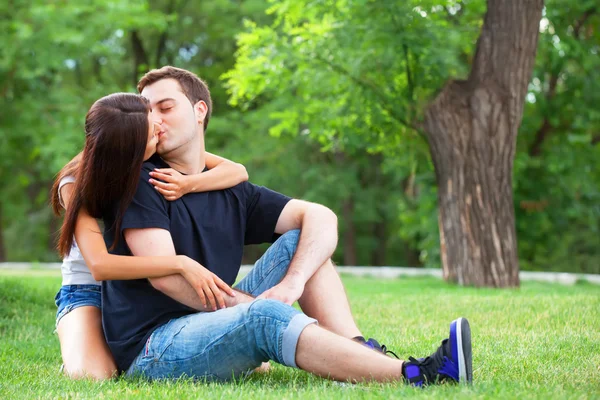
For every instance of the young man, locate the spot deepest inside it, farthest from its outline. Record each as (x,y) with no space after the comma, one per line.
(153,327)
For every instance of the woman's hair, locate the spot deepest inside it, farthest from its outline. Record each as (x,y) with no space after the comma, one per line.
(108,169)
(68,170)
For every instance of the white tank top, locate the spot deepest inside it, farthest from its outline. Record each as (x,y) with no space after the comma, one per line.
(73,268)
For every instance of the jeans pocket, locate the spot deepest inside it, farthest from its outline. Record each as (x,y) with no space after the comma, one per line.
(162,338)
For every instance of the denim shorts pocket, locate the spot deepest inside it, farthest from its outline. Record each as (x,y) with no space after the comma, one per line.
(162,338)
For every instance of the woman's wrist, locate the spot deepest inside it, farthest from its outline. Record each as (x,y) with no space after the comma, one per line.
(181,264)
(188,184)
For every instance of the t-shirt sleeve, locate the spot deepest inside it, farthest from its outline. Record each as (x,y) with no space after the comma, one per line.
(64,181)
(263,208)
(148,209)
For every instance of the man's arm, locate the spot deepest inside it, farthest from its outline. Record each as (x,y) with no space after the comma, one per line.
(318,240)
(158,242)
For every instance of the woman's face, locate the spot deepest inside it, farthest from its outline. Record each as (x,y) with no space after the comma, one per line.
(153,130)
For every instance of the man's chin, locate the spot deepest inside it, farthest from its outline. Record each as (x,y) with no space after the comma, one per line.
(160,150)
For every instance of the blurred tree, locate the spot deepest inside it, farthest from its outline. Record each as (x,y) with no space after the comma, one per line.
(340,86)
(472,130)
(360,74)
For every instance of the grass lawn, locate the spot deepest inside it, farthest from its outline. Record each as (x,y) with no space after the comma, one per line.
(541,341)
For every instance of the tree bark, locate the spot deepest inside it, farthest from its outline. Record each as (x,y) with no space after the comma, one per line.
(472,129)
(379,254)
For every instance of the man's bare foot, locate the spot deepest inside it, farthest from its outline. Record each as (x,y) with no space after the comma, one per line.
(264,368)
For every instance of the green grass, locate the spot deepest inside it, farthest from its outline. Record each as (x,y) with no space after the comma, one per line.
(540,341)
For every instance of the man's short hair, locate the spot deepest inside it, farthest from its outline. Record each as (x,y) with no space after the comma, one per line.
(192,86)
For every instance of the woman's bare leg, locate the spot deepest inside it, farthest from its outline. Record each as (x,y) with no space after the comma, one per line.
(84,350)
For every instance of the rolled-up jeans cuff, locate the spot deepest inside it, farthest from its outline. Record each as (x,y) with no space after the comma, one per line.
(291,336)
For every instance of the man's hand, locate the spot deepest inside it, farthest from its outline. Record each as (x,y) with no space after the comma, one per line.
(174,183)
(288,291)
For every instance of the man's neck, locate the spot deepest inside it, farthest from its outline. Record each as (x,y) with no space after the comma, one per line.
(189,159)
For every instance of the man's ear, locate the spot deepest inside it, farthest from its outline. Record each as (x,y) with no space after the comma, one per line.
(200,109)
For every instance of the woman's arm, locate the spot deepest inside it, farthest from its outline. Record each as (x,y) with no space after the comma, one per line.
(106,266)
(222,174)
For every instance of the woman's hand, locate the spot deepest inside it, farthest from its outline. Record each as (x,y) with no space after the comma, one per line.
(206,284)
(174,184)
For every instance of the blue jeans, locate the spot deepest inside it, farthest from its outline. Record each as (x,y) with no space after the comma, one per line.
(231,342)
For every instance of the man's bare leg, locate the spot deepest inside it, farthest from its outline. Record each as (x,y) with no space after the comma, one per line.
(328,355)
(325,300)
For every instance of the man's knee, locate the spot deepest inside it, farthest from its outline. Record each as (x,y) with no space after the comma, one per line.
(264,308)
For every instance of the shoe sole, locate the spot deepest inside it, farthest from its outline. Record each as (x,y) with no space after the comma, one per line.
(460,335)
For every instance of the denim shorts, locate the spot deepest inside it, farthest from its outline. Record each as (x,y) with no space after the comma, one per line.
(70,297)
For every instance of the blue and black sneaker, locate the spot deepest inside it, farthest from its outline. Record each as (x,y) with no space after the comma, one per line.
(452,361)
(374,344)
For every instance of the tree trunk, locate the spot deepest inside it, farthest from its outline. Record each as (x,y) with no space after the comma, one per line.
(379,233)
(472,129)
(140,57)
(350,258)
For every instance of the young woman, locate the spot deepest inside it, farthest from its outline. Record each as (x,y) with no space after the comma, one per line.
(120,135)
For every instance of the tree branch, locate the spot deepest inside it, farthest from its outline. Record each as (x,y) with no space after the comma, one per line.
(375,90)
(162,40)
(536,147)
(582,20)
(411,88)
(547,129)
(140,57)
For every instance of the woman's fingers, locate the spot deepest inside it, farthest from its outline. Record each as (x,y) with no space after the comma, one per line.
(164,192)
(167,171)
(164,185)
(163,177)
(210,297)
(200,292)
(217,293)
(224,287)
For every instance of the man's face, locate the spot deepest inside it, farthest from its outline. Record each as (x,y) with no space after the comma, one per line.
(153,129)
(175,114)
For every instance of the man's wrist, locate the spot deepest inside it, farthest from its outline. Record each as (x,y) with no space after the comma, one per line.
(295,276)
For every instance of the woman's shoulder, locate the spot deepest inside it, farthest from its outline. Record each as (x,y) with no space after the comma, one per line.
(65,180)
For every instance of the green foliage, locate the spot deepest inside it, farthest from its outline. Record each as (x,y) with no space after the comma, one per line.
(321,100)
(557,188)
(356,76)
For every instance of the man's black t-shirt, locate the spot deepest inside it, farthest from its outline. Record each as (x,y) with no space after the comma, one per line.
(209,227)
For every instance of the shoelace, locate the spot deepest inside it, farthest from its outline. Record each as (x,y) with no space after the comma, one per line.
(381,347)
(374,344)
(385,351)
(436,366)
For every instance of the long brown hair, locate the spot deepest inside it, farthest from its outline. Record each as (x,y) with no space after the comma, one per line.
(116,135)
(68,170)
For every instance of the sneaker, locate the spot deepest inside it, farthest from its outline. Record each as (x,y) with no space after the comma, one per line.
(451,362)
(374,344)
